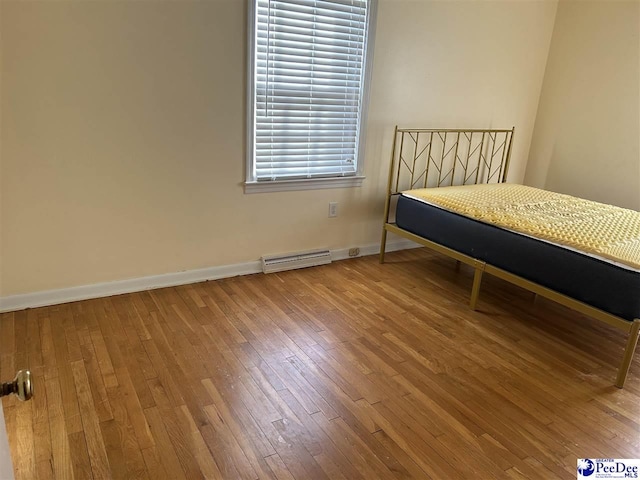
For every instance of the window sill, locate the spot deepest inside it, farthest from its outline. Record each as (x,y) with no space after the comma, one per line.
(303,184)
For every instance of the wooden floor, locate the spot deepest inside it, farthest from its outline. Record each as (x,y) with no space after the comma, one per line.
(347,371)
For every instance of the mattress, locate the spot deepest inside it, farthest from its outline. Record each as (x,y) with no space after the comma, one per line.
(604,231)
(584,276)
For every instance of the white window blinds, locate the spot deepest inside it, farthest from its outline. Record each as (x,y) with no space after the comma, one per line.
(308,87)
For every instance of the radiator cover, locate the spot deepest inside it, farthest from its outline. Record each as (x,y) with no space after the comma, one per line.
(291,261)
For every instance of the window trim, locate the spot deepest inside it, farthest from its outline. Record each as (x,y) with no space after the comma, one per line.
(251,185)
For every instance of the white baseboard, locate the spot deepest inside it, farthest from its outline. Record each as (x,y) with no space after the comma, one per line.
(374,249)
(65,295)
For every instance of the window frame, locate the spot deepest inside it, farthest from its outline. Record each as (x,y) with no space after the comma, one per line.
(251,184)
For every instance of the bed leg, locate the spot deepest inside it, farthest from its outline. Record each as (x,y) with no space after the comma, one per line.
(477,280)
(630,349)
(383,244)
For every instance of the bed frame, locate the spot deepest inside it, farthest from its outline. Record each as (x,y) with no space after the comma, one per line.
(423,158)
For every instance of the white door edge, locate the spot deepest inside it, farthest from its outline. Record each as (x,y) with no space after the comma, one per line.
(6,467)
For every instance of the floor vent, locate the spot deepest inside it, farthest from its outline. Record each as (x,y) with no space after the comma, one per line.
(291,261)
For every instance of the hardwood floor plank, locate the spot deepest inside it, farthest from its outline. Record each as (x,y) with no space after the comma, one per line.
(208,466)
(41,432)
(113,449)
(353,370)
(177,431)
(104,359)
(247,433)
(134,408)
(90,423)
(403,458)
(95,378)
(60,454)
(72,417)
(25,463)
(278,467)
(80,456)
(318,444)
(154,465)
(133,456)
(334,395)
(8,351)
(359,455)
(166,452)
(226,447)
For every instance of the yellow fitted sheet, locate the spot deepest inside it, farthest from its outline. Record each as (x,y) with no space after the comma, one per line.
(606,231)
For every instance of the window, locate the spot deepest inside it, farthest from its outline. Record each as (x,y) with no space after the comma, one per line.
(307,80)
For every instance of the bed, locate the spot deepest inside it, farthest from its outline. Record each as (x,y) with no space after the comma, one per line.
(447,190)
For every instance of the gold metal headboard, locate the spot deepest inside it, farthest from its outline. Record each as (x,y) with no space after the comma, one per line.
(423,158)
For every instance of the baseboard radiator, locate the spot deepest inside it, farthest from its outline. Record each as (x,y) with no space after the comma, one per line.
(291,261)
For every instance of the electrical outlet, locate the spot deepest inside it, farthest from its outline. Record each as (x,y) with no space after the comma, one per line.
(333,209)
(354,252)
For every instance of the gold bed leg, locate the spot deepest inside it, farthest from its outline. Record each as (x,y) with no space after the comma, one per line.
(630,349)
(477,280)
(383,244)
(387,204)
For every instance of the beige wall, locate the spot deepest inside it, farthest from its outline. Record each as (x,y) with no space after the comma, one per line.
(587,132)
(1,150)
(123,129)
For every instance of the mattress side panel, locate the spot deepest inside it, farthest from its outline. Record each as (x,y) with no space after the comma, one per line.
(581,277)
